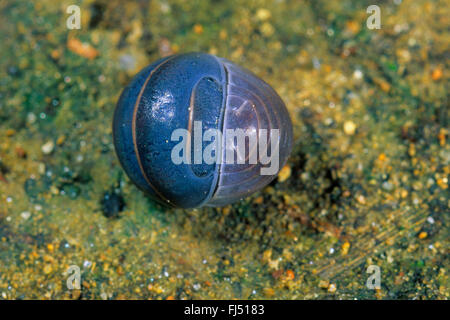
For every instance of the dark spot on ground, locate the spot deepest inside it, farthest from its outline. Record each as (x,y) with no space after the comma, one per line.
(112,204)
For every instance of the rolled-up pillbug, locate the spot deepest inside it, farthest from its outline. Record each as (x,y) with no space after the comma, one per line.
(195,105)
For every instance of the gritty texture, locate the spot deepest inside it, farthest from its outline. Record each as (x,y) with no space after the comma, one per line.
(367,182)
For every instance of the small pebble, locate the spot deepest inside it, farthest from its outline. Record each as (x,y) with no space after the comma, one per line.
(423,235)
(332,288)
(290,275)
(25,215)
(258,200)
(387,186)
(349,128)
(47,269)
(31,118)
(127,62)
(60,140)
(361,199)
(357,74)
(48,147)
(87,264)
(263,14)
(284,173)
(437,74)
(165,47)
(345,248)
(198,29)
(267,29)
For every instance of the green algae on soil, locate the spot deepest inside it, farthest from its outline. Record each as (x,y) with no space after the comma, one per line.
(367,182)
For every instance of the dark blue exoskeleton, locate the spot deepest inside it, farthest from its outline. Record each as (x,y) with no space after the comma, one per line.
(174,93)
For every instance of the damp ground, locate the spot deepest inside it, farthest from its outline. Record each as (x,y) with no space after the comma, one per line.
(366,185)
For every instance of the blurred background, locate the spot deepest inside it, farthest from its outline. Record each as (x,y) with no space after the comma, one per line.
(366,184)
